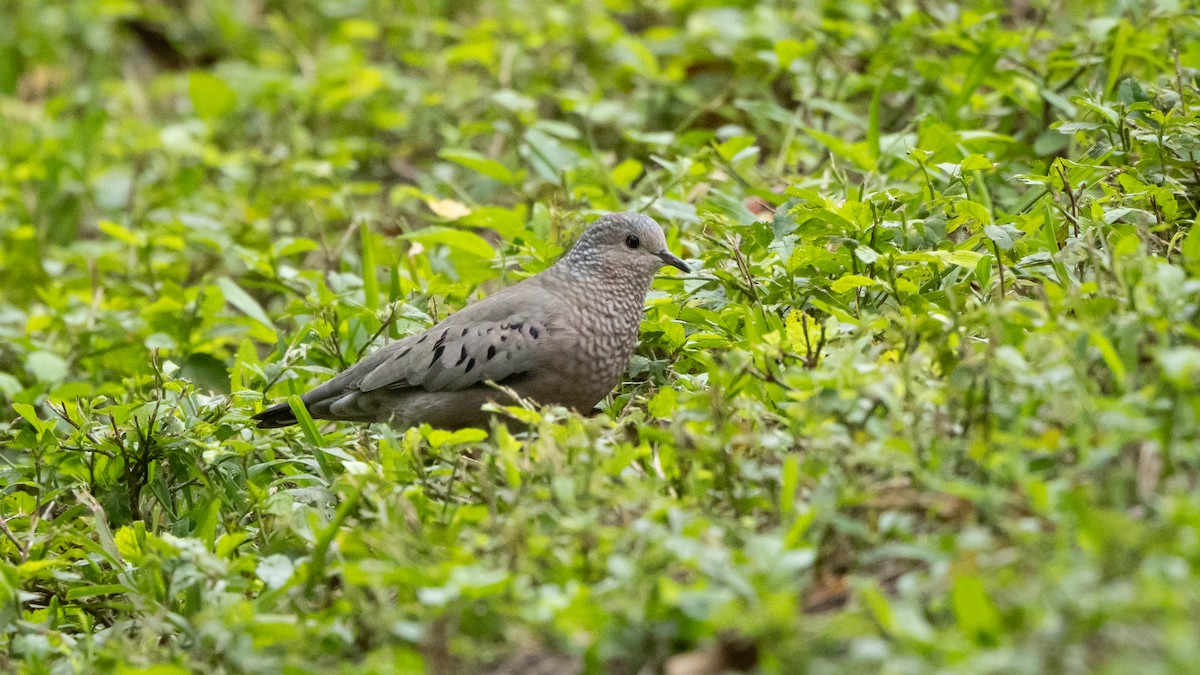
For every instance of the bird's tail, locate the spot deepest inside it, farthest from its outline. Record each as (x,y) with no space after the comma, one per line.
(278,415)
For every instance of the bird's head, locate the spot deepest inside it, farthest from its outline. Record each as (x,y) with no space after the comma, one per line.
(625,241)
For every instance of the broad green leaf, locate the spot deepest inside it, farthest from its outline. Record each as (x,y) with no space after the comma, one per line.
(206,516)
(626,172)
(240,299)
(967,212)
(663,404)
(120,233)
(962,258)
(287,247)
(46,367)
(788,50)
(448,209)
(1191,244)
(29,413)
(275,570)
(633,53)
(858,153)
(510,449)
(548,155)
(803,332)
(508,223)
(477,162)
(1110,356)
(983,271)
(206,371)
(866,254)
(999,236)
(880,609)
(246,356)
(211,96)
(976,614)
(460,240)
(1181,365)
(9,385)
(977,163)
(731,147)
(439,438)
(848,281)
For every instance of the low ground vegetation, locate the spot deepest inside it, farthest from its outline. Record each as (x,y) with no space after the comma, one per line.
(928,400)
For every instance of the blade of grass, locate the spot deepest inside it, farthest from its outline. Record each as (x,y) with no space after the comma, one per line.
(309,428)
(369,278)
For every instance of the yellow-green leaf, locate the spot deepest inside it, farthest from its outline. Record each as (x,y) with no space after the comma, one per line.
(242,300)
(962,258)
(803,332)
(211,97)
(120,233)
(1110,356)
(977,163)
(976,614)
(849,281)
(663,404)
(448,209)
(467,242)
(480,164)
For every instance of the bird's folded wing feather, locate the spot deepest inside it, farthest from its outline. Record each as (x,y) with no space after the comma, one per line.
(455,355)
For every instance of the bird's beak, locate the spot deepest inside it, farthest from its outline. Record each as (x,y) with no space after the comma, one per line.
(669,259)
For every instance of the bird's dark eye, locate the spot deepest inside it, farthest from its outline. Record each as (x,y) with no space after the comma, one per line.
(632,241)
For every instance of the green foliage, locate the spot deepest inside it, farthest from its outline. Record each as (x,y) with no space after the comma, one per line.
(929,401)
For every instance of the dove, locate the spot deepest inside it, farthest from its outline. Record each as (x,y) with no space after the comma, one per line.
(561,337)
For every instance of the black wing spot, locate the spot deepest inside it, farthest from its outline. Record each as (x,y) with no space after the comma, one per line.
(470,365)
(423,338)
(437,354)
(517,326)
(442,338)
(491,352)
(504,338)
(402,353)
(533,332)
(464,333)
(462,356)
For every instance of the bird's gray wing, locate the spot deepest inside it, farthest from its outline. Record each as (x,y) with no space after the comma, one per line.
(457,354)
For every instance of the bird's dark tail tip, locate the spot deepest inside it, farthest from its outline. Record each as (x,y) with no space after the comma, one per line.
(278,415)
